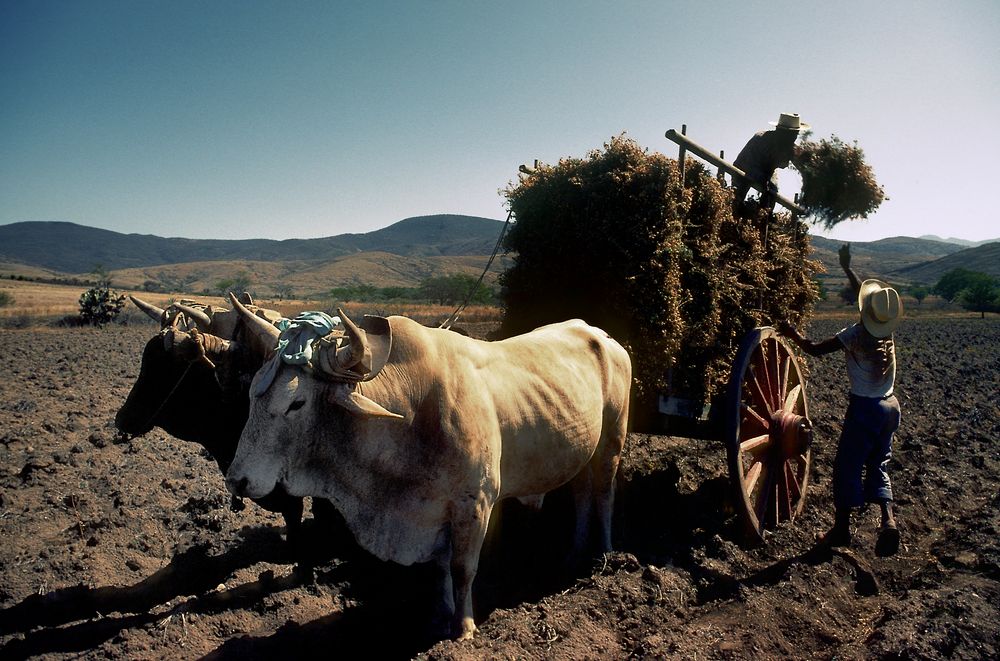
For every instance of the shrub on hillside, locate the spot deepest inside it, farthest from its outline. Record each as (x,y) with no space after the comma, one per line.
(6,298)
(100,304)
(614,239)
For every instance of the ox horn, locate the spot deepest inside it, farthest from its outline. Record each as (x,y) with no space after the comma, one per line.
(199,317)
(357,355)
(265,334)
(155,313)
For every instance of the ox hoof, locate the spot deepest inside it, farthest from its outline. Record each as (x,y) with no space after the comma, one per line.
(466,629)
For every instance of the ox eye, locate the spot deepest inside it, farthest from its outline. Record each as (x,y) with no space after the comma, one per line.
(296,405)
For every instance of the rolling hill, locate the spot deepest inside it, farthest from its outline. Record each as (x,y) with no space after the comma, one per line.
(401,254)
(962,242)
(984,258)
(72,248)
(883,258)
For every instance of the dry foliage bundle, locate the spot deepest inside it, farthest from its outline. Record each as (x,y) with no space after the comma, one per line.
(837,184)
(613,239)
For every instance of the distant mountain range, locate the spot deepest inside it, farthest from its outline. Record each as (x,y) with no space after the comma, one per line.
(905,260)
(962,242)
(398,255)
(72,248)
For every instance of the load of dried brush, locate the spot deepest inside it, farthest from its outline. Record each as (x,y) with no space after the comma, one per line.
(837,183)
(614,239)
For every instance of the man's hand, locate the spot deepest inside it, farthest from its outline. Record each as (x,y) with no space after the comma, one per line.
(845,256)
(787,329)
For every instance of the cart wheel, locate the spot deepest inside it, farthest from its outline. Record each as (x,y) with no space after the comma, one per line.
(768,433)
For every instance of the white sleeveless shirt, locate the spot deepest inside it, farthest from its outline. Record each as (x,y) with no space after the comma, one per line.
(871,362)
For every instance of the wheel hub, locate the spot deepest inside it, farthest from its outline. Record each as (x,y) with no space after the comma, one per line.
(791,433)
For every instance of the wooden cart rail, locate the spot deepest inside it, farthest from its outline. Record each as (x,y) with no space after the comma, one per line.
(688,145)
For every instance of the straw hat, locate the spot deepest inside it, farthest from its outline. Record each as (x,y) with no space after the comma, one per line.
(790,121)
(880,307)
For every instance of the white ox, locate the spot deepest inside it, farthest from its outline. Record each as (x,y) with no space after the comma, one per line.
(416,457)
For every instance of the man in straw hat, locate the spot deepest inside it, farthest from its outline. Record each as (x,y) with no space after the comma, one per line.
(765,152)
(872,416)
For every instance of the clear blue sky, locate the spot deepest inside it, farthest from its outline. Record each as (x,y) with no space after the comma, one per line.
(219,119)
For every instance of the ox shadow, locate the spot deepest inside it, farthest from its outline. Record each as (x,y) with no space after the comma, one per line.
(524,560)
(194,571)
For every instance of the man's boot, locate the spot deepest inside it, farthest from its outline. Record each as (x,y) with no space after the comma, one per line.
(888,536)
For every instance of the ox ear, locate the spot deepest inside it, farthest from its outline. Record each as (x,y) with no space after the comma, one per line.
(357,404)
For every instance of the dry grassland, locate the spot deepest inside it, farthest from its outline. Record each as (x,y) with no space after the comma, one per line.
(35,301)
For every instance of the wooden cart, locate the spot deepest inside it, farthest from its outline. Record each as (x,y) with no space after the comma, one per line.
(764,416)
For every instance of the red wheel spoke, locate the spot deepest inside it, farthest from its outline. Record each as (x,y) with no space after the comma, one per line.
(757,394)
(752,476)
(765,365)
(765,497)
(784,498)
(793,482)
(756,443)
(786,365)
(772,358)
(756,417)
(792,398)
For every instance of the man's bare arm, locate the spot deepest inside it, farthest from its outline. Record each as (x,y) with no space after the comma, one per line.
(828,345)
(845,263)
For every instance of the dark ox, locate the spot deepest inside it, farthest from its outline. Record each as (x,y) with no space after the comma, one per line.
(415,433)
(194,384)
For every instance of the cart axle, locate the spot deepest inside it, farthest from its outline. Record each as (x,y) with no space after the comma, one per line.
(791,433)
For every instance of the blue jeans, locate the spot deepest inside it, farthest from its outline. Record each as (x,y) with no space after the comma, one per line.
(865,448)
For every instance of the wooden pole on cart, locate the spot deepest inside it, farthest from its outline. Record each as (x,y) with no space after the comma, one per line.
(688,145)
(682,153)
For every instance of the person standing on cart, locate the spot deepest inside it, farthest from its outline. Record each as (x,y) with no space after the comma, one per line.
(860,470)
(764,153)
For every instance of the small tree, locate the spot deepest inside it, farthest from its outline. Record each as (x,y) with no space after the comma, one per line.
(6,298)
(954,281)
(238,285)
(919,293)
(100,304)
(981,296)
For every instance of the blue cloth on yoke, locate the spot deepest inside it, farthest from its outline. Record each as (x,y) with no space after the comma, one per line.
(295,344)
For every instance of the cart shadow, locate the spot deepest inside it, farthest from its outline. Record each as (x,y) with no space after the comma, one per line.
(660,523)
